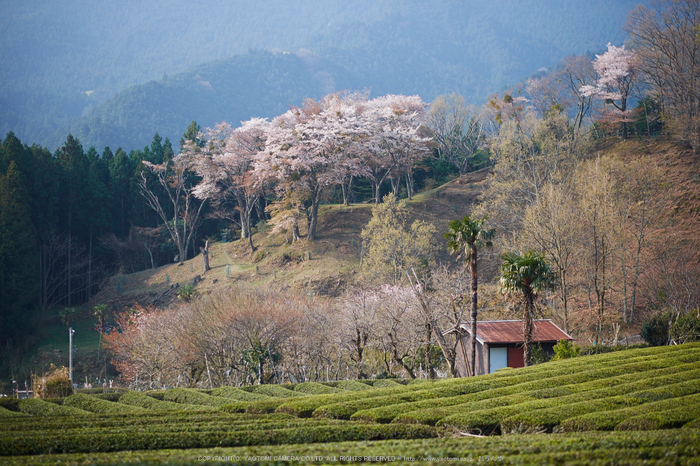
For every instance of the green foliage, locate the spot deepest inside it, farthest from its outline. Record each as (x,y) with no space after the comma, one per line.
(18,258)
(686,328)
(392,246)
(315,388)
(538,355)
(193,397)
(186,292)
(646,388)
(464,237)
(647,117)
(278,391)
(526,274)
(37,407)
(566,349)
(96,405)
(655,329)
(233,393)
(95,440)
(142,400)
(350,385)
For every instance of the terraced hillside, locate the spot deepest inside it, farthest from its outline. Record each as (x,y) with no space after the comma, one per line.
(587,407)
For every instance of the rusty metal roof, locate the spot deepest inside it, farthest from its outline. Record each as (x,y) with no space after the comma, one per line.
(511,331)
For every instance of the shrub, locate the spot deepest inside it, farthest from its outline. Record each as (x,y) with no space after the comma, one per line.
(186,292)
(686,328)
(538,355)
(53,384)
(655,329)
(565,350)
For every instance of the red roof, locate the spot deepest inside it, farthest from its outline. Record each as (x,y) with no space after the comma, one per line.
(511,331)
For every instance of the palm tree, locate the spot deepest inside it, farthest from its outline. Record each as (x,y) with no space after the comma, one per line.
(526,274)
(465,237)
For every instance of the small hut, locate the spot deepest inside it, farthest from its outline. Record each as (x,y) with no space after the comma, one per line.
(499,343)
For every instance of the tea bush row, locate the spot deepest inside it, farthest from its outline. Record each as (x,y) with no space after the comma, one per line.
(37,407)
(73,442)
(234,393)
(655,447)
(431,411)
(316,388)
(193,397)
(545,415)
(96,405)
(142,400)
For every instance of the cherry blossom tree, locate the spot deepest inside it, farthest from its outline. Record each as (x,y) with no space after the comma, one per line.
(617,74)
(397,143)
(226,166)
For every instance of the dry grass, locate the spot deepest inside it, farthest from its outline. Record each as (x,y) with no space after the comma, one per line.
(334,256)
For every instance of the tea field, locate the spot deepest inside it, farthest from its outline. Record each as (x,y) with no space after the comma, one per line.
(626,407)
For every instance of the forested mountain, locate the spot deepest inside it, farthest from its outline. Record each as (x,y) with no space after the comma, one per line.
(61,60)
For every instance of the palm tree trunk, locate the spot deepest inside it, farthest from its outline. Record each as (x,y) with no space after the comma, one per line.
(474,301)
(527,327)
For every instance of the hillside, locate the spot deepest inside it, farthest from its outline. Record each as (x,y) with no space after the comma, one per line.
(63,61)
(335,255)
(627,407)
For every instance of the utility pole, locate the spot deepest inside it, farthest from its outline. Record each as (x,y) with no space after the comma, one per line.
(70,356)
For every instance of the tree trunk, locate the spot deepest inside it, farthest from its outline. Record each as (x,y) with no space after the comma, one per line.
(527,327)
(205,256)
(315,201)
(295,232)
(474,301)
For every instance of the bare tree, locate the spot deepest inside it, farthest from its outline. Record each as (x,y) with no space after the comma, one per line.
(172,175)
(457,130)
(665,35)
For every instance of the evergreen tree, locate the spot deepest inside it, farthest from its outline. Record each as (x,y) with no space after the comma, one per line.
(18,261)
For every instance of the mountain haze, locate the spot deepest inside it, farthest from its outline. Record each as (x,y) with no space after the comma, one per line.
(63,59)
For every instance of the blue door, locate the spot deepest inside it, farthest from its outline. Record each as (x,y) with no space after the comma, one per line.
(498,359)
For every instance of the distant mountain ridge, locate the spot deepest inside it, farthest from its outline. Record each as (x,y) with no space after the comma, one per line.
(62,60)
(256,84)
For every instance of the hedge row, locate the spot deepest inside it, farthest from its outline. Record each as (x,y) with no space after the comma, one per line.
(546,414)
(95,405)
(316,388)
(655,447)
(192,397)
(350,385)
(142,400)
(609,420)
(198,428)
(150,418)
(608,400)
(5,413)
(430,412)
(278,391)
(73,442)
(37,407)
(233,393)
